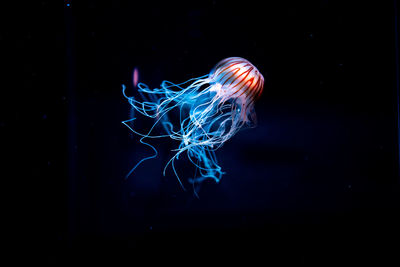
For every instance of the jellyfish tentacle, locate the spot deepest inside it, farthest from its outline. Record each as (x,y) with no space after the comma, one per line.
(210,110)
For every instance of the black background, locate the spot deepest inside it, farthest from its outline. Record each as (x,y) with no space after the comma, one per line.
(317,180)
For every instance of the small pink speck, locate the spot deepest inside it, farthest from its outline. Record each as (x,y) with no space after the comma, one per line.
(135,76)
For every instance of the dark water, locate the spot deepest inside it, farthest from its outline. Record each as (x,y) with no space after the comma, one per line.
(316,180)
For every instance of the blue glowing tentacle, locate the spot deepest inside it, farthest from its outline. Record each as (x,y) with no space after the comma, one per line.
(176,174)
(171,161)
(197,122)
(200,134)
(211,167)
(146,158)
(148,115)
(140,134)
(144,109)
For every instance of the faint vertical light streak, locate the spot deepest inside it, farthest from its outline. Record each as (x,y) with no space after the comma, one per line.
(135,76)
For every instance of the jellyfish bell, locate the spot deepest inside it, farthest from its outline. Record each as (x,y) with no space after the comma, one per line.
(236,78)
(201,114)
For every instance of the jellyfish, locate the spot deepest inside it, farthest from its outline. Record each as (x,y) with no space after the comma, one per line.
(200,114)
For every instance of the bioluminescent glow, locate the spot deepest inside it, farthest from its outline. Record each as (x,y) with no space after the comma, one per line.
(201,114)
(135,77)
